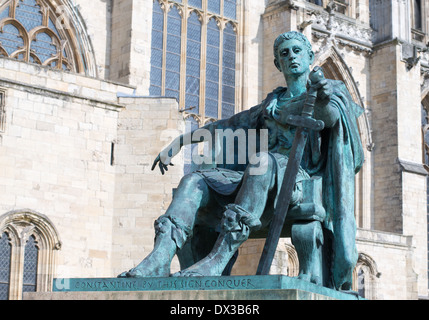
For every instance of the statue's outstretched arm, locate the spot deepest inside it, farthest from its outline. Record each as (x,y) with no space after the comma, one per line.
(163,160)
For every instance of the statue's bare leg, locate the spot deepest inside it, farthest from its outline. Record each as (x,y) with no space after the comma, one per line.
(173,228)
(239,220)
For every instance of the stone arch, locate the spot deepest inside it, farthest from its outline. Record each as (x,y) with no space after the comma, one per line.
(366,270)
(20,225)
(24,222)
(293,261)
(336,68)
(63,22)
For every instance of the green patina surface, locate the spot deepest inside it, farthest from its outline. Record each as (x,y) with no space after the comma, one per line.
(246,283)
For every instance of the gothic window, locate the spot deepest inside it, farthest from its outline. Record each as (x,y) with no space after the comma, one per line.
(361,282)
(212,69)
(193,56)
(2,110)
(157,45)
(28,242)
(347,7)
(33,31)
(31,253)
(173,55)
(342,6)
(365,277)
(228,71)
(418,29)
(5,259)
(417,17)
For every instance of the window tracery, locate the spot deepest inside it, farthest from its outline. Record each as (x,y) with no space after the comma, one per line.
(5,259)
(193,59)
(28,242)
(32,31)
(194,48)
(365,277)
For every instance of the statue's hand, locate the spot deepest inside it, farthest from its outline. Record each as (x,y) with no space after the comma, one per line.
(163,160)
(324,90)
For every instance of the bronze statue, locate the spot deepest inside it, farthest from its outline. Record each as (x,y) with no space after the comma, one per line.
(215,210)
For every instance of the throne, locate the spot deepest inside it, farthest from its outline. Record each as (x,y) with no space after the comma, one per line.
(303,225)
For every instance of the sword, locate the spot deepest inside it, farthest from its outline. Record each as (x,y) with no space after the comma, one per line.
(304,122)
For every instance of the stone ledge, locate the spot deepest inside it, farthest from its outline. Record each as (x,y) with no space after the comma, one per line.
(188,295)
(272,287)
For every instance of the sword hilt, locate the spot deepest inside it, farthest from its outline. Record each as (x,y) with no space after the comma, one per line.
(305,120)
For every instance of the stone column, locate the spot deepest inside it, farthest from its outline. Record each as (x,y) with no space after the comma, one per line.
(131,43)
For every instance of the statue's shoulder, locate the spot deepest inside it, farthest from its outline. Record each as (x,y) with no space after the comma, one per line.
(273,95)
(341,90)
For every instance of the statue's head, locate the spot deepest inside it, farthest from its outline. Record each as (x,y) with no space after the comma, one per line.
(295,48)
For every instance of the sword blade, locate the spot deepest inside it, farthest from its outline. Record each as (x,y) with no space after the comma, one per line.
(283,201)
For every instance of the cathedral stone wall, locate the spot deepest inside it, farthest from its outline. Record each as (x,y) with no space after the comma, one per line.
(80,149)
(56,152)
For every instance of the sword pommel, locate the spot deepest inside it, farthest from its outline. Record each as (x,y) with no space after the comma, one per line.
(316,75)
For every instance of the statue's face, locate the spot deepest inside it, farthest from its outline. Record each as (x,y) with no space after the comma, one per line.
(293,58)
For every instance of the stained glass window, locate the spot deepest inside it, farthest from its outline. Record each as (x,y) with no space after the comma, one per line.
(5,13)
(156,57)
(11,39)
(43,47)
(172,74)
(228,72)
(28,12)
(230,9)
(31,253)
(193,57)
(212,69)
(5,258)
(34,21)
(214,6)
(195,3)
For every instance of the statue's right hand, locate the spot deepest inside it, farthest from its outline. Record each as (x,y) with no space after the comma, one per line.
(162,166)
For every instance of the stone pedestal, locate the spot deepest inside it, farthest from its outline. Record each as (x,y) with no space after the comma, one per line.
(275,287)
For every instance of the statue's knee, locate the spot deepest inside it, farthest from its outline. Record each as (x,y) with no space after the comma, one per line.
(191,179)
(191,182)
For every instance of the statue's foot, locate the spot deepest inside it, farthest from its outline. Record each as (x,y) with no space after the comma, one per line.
(354,293)
(204,268)
(149,267)
(187,273)
(310,278)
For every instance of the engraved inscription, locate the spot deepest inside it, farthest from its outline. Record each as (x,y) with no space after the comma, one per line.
(155,284)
